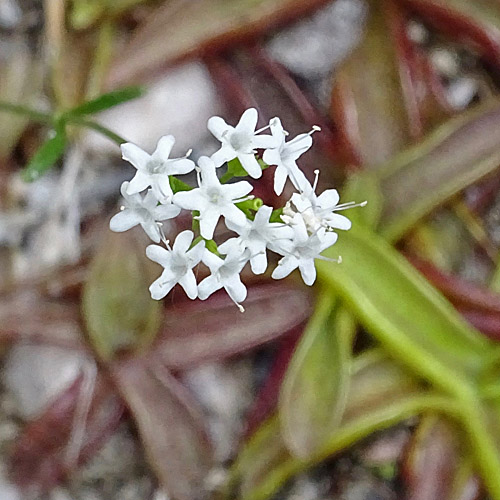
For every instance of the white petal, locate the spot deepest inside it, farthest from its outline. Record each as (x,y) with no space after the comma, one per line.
(308,271)
(212,261)
(297,146)
(152,230)
(234,214)
(159,255)
(188,282)
(258,263)
(164,212)
(250,164)
(235,288)
(271,157)
(338,221)
(238,189)
(208,286)
(164,147)
(248,121)
(183,242)
(135,155)
(218,126)
(280,176)
(208,174)
(297,177)
(264,141)
(124,221)
(208,221)
(262,216)
(139,183)
(328,239)
(328,199)
(180,166)
(190,200)
(285,266)
(229,245)
(161,287)
(196,253)
(162,185)
(225,153)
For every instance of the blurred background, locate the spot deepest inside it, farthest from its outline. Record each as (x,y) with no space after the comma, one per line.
(108,395)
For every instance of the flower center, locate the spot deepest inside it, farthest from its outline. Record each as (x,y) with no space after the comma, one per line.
(155,166)
(214,195)
(241,142)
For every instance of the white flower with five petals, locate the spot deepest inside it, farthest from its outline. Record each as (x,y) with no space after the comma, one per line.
(240,141)
(303,250)
(256,236)
(154,170)
(178,264)
(225,273)
(213,199)
(285,154)
(144,211)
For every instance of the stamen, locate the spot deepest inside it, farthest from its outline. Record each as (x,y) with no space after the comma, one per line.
(188,153)
(246,198)
(328,259)
(316,177)
(122,207)
(262,129)
(350,204)
(316,128)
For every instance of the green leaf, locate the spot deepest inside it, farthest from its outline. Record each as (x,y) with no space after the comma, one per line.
(105,101)
(456,155)
(381,394)
(364,186)
(118,310)
(314,390)
(178,185)
(48,154)
(411,319)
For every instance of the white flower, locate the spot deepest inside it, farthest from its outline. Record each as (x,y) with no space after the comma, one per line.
(320,211)
(178,263)
(225,273)
(144,211)
(240,141)
(154,170)
(303,250)
(285,154)
(213,199)
(256,236)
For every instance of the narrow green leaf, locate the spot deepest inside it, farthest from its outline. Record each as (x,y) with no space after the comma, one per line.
(178,185)
(412,320)
(48,154)
(457,154)
(314,390)
(118,311)
(106,101)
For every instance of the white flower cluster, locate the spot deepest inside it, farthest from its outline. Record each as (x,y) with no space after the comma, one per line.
(298,232)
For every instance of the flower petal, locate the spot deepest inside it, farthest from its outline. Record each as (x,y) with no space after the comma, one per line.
(235,289)
(218,127)
(208,174)
(250,164)
(183,241)
(208,221)
(224,154)
(161,287)
(139,183)
(152,229)
(328,199)
(188,282)
(208,286)
(248,122)
(258,263)
(280,176)
(196,253)
(238,189)
(233,214)
(179,166)
(262,216)
(164,212)
(159,255)
(190,200)
(135,155)
(285,266)
(124,220)
(264,141)
(338,221)
(164,147)
(308,271)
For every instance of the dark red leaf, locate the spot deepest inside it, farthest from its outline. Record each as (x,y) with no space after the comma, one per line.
(169,423)
(46,452)
(198,331)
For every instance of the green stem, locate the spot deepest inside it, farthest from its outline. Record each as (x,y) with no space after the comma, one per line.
(35,115)
(83,122)
(483,447)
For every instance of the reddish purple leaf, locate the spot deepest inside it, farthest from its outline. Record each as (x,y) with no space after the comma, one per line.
(433,468)
(27,317)
(197,331)
(46,452)
(169,424)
